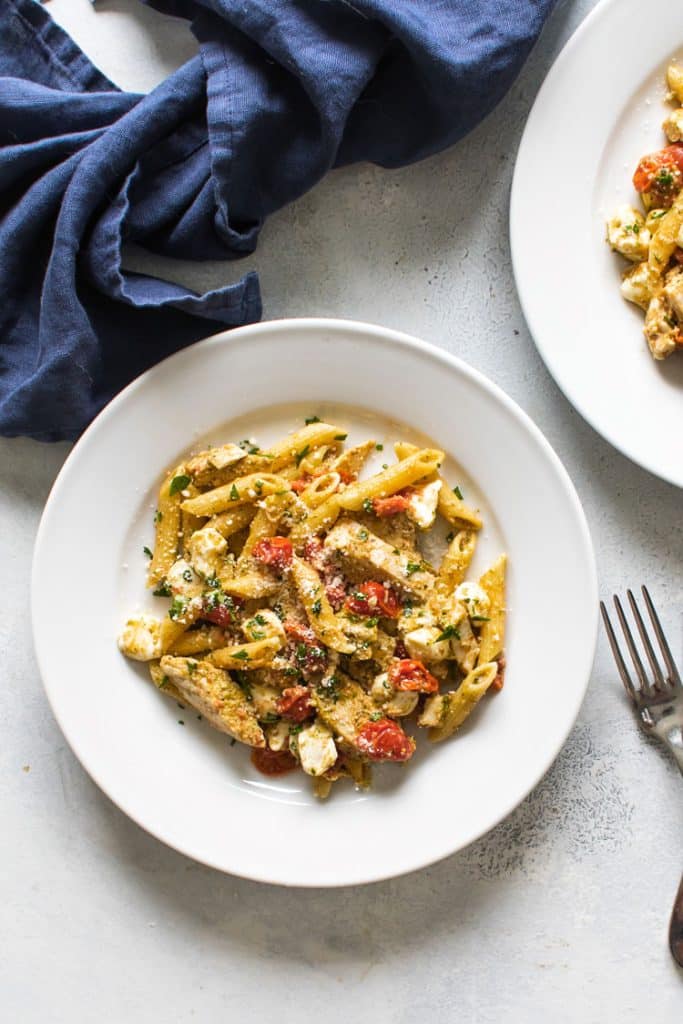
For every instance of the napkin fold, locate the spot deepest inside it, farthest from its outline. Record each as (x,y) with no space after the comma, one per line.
(281,91)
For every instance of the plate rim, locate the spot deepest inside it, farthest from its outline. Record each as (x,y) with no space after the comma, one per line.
(603,9)
(390,337)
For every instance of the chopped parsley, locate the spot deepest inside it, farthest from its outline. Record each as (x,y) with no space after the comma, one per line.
(362,535)
(368,506)
(258,486)
(187,575)
(412,567)
(178,483)
(379,447)
(664,178)
(180,722)
(340,437)
(633,228)
(158,516)
(302,454)
(177,608)
(279,611)
(448,632)
(294,730)
(480,618)
(147,551)
(163,590)
(312,419)
(376,715)
(234,493)
(241,656)
(657,214)
(372,621)
(316,607)
(259,618)
(457,492)
(192,666)
(164,682)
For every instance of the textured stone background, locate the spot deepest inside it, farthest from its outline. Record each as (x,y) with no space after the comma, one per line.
(557,915)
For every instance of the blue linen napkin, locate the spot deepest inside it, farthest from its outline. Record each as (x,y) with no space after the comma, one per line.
(282,91)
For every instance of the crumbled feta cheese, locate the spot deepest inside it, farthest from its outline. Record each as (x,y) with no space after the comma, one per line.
(627,234)
(183,581)
(141,638)
(422,504)
(474,597)
(206,548)
(639,284)
(317,750)
(423,644)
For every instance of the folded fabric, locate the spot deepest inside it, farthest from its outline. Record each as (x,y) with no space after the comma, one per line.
(281,91)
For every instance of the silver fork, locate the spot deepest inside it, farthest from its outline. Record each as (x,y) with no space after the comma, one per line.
(658,699)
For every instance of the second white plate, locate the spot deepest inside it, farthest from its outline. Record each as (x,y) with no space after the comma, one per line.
(599,110)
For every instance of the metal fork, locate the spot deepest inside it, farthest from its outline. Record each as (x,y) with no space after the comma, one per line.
(658,699)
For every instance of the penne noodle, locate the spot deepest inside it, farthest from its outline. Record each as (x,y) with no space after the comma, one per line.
(255,654)
(167,520)
(492,633)
(319,611)
(454,707)
(232,521)
(450,506)
(455,562)
(197,640)
(391,480)
(243,490)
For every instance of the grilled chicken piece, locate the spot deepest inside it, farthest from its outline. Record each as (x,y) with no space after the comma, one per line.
(344,707)
(216,696)
(367,556)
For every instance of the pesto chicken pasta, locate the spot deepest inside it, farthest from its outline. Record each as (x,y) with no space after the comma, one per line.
(651,239)
(304,616)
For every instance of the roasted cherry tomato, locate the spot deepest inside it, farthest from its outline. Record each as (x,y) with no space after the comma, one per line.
(300,484)
(300,632)
(221,616)
(373,598)
(273,762)
(274,551)
(408,674)
(661,174)
(384,740)
(295,704)
(390,506)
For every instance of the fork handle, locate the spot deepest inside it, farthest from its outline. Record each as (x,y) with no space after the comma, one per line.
(676,927)
(673,737)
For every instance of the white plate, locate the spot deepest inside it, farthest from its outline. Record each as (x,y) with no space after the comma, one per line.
(186,785)
(600,110)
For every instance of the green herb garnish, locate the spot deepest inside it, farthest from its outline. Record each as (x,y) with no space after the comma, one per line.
(458,493)
(147,551)
(302,454)
(362,535)
(412,567)
(158,516)
(312,419)
(316,607)
(178,483)
(368,506)
(163,590)
(177,608)
(448,632)
(379,447)
(187,575)
(340,437)
(241,656)
(480,618)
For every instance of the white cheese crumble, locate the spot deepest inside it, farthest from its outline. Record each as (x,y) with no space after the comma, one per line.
(206,549)
(317,750)
(141,638)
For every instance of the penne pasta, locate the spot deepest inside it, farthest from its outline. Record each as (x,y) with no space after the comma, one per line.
(389,481)
(347,629)
(244,490)
(492,634)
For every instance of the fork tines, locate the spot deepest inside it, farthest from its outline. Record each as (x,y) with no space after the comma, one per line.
(659,684)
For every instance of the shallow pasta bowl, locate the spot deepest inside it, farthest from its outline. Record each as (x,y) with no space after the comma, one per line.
(183,782)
